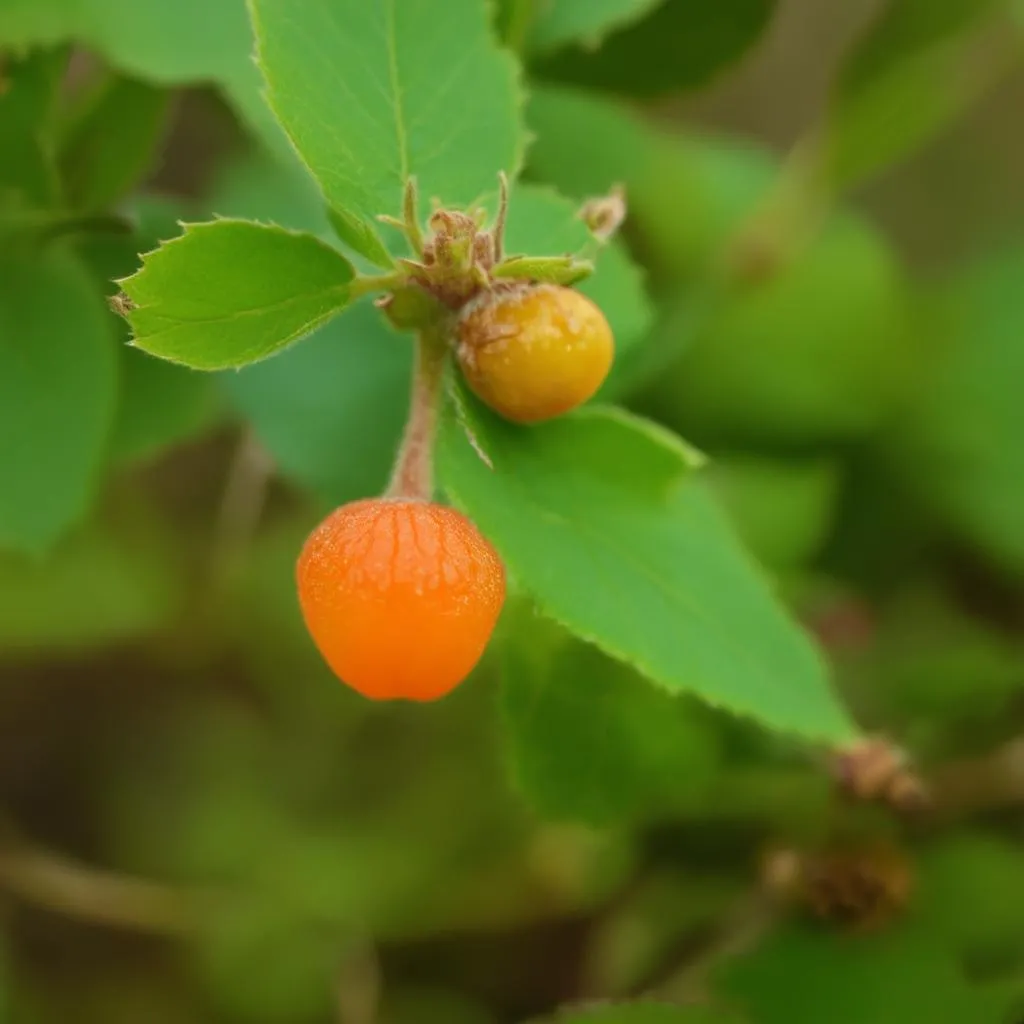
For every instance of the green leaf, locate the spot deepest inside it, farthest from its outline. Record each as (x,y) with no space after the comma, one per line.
(541,221)
(276,187)
(920,65)
(681,45)
(782,510)
(590,739)
(645,1013)
(963,442)
(898,976)
(28,97)
(229,292)
(559,22)
(107,584)
(58,380)
(330,411)
(373,91)
(593,516)
(111,144)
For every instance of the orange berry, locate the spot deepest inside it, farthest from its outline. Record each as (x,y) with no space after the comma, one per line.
(535,351)
(400,596)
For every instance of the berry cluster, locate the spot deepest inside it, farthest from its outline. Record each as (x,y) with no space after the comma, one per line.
(401,595)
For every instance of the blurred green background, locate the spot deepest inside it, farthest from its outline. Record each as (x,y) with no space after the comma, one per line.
(199,824)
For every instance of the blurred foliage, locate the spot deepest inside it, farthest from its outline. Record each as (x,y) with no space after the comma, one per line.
(556,686)
(894,979)
(783,509)
(917,67)
(823,339)
(558,832)
(647,1013)
(64,365)
(953,443)
(125,564)
(110,140)
(681,44)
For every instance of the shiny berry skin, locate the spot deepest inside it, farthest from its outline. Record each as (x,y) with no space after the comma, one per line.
(400,596)
(534,351)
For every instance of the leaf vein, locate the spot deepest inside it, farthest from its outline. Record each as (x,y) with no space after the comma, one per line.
(396,90)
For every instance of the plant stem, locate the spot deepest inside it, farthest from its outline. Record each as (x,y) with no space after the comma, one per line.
(359,984)
(364,284)
(413,475)
(973,786)
(241,507)
(750,918)
(784,222)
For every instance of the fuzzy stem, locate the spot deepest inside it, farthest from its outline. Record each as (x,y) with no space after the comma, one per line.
(413,475)
(365,284)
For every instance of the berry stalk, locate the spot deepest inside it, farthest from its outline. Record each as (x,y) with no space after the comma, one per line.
(413,475)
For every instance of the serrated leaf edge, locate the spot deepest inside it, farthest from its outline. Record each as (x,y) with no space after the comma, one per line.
(189,230)
(668,439)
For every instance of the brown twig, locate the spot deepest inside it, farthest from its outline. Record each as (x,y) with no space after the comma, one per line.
(241,506)
(971,786)
(413,475)
(46,879)
(359,984)
(750,918)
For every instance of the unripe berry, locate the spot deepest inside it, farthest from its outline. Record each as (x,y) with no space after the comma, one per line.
(535,351)
(400,596)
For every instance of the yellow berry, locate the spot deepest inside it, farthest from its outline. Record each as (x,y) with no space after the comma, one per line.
(534,351)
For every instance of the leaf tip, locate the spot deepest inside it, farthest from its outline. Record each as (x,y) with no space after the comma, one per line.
(121,303)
